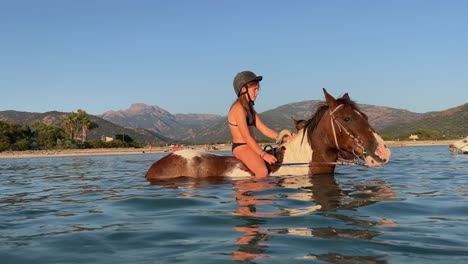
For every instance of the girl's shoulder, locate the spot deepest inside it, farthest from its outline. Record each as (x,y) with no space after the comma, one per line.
(236,108)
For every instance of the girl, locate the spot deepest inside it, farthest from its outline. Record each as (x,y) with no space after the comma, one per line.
(242,118)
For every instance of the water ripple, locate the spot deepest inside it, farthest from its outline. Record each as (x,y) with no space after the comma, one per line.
(101,209)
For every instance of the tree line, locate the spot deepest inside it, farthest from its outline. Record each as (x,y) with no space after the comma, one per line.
(72,134)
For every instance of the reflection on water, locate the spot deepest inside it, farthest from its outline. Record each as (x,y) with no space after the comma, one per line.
(101,210)
(258,201)
(323,193)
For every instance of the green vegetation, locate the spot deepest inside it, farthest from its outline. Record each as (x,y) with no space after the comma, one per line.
(72,135)
(427,134)
(76,123)
(421,133)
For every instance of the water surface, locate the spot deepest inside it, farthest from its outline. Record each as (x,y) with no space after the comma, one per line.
(101,210)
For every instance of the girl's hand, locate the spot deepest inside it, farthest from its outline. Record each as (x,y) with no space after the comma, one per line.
(269,158)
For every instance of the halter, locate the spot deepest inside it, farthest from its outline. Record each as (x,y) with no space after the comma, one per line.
(358,142)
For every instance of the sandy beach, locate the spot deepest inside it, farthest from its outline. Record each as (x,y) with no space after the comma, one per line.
(102,151)
(148,150)
(411,143)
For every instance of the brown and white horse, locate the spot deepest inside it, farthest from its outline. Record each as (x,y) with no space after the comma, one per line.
(338,128)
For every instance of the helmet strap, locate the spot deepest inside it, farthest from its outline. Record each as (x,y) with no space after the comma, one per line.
(251,102)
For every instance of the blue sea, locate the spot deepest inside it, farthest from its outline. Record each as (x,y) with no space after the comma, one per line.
(102,210)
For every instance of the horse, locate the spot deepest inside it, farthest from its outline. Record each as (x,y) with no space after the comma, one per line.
(298,123)
(338,126)
(460,146)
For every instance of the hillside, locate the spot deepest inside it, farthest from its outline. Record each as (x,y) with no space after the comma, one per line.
(152,124)
(155,119)
(105,128)
(280,118)
(202,128)
(387,121)
(452,123)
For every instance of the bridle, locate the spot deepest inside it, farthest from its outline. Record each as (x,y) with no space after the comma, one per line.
(358,143)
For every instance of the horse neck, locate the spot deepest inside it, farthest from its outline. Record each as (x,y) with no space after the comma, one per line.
(298,149)
(323,141)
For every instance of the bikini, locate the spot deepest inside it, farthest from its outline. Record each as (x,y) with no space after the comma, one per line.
(235,145)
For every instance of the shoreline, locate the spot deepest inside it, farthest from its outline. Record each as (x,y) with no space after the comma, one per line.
(55,153)
(156,150)
(420,143)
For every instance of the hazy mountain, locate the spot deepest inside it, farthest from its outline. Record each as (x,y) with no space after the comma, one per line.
(105,128)
(139,115)
(156,119)
(203,128)
(379,117)
(452,122)
(280,118)
(147,123)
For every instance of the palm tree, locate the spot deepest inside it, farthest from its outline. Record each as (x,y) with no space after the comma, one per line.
(76,122)
(86,124)
(70,124)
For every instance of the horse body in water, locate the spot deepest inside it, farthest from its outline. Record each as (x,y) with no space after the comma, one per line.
(337,128)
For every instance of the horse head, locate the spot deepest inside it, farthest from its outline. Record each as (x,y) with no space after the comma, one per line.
(350,132)
(298,123)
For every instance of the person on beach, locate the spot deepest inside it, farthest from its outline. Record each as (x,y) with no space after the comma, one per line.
(242,118)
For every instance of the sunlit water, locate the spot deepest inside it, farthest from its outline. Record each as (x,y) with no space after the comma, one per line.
(101,210)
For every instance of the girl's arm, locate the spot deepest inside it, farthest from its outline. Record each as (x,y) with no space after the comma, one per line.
(268,132)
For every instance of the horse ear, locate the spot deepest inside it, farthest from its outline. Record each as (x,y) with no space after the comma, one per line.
(346,96)
(331,101)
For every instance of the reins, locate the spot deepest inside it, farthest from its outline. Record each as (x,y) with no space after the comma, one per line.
(317,163)
(313,163)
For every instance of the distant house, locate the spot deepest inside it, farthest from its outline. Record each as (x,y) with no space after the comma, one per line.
(413,137)
(106,139)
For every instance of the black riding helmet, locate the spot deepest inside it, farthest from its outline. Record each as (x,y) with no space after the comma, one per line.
(242,78)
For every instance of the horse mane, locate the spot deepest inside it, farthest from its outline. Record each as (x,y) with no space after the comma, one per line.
(322,107)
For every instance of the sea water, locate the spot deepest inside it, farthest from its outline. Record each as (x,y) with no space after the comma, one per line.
(102,210)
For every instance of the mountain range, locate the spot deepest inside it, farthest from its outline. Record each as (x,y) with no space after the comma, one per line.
(154,125)
(208,128)
(153,118)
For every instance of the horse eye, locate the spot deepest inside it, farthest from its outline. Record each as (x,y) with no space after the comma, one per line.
(347,119)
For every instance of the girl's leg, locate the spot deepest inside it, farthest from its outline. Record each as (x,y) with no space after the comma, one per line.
(251,159)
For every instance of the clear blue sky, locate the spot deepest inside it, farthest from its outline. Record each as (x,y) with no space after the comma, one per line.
(182,55)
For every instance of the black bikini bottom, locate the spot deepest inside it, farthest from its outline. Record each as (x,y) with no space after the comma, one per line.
(235,145)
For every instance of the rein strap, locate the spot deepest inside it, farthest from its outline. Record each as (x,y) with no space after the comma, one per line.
(316,163)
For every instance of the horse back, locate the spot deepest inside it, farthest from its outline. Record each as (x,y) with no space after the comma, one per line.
(196,164)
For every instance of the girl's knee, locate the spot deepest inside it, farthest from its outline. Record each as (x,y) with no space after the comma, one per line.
(261,172)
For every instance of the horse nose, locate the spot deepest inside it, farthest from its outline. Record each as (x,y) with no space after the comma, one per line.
(383,152)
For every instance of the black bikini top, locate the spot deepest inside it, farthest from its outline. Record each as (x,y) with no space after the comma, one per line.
(247,119)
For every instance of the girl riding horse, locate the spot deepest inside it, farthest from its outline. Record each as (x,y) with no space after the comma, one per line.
(338,128)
